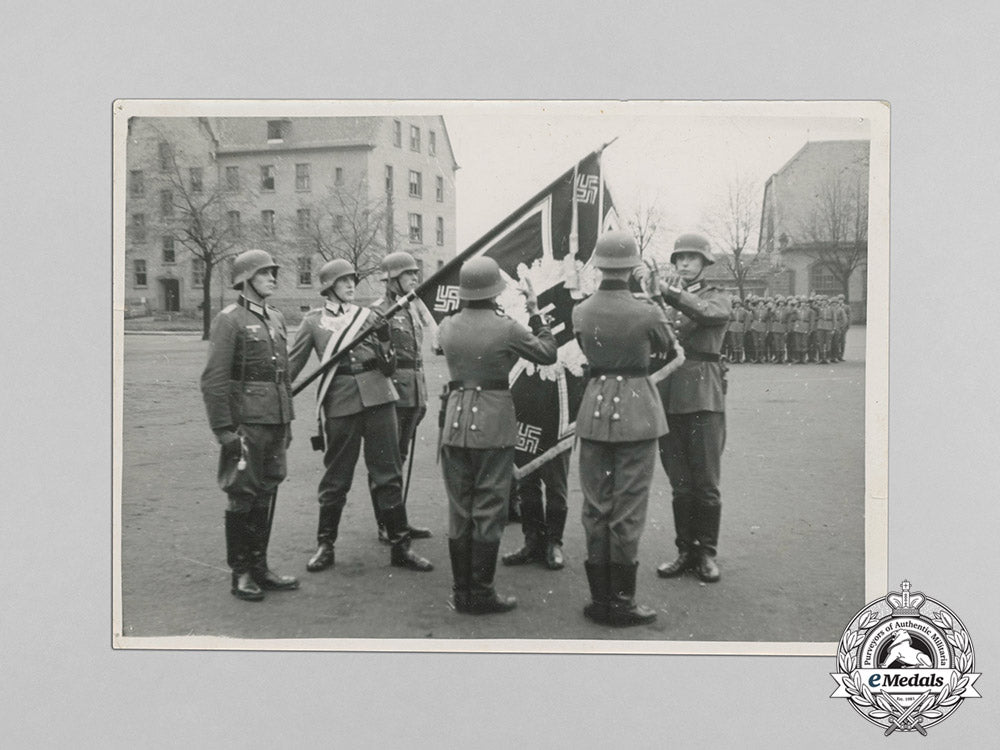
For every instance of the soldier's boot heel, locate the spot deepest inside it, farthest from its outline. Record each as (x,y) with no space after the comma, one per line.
(707,569)
(403,557)
(599,579)
(244,587)
(624,612)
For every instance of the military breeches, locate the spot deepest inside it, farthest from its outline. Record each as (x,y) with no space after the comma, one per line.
(615,480)
(758,343)
(477,481)
(408,417)
(263,450)
(691,454)
(545,520)
(376,427)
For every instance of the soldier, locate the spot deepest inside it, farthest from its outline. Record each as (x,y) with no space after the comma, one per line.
(401,274)
(249,402)
(355,402)
(843,322)
(799,323)
(758,330)
(778,329)
(738,326)
(482,345)
(619,421)
(825,324)
(694,399)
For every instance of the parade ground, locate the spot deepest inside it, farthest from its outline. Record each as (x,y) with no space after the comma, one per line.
(791,548)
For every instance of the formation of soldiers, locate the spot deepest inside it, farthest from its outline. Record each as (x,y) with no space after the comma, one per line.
(795,329)
(655,387)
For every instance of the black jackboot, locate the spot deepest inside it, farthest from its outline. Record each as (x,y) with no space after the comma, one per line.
(709,518)
(483,598)
(243,585)
(460,551)
(555,523)
(685,528)
(623,610)
(599,578)
(399,534)
(261,519)
(326,535)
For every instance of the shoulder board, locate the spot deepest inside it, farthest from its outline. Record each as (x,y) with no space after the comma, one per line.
(229,308)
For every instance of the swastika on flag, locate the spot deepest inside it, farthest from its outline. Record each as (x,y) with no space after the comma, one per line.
(447,299)
(586,188)
(528,436)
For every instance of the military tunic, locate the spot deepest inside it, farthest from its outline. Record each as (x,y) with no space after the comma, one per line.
(694,400)
(481,346)
(620,418)
(358,407)
(245,386)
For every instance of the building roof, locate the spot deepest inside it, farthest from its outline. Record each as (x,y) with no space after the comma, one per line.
(249,134)
(790,194)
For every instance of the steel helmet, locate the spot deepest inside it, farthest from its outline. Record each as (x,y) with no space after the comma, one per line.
(397,263)
(480,279)
(332,270)
(247,263)
(692,243)
(616,250)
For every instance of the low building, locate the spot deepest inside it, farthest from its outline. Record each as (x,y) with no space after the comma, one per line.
(305,189)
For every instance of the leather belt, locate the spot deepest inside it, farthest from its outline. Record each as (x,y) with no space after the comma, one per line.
(408,364)
(625,372)
(701,356)
(478,385)
(353,370)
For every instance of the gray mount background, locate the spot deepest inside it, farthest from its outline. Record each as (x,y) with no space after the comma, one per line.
(64,65)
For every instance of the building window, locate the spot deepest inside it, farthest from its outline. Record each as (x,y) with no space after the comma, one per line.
(302,177)
(414,138)
(305,271)
(439,189)
(267,177)
(267,221)
(303,220)
(166,156)
(432,143)
(195,176)
(338,176)
(233,178)
(197,273)
(275,131)
(136,186)
(139,267)
(388,179)
(233,217)
(416,228)
(166,203)
(822,280)
(416,184)
(397,133)
(440,230)
(138,227)
(169,256)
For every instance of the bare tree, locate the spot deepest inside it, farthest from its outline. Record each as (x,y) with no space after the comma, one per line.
(733,222)
(645,220)
(837,226)
(201,222)
(350,225)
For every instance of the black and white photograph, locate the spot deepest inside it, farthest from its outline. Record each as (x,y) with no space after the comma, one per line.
(499,376)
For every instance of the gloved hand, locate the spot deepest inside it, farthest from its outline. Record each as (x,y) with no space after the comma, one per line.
(381,326)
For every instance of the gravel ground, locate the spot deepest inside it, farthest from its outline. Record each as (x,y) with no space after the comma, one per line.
(791,548)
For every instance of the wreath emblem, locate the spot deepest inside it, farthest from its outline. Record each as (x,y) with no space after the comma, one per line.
(904,670)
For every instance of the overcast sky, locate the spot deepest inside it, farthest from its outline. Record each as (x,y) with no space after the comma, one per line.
(683,161)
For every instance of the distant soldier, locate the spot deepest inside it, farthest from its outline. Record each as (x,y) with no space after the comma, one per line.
(735,332)
(843,322)
(249,402)
(778,330)
(355,404)
(479,433)
(812,350)
(758,329)
(695,403)
(620,419)
(825,324)
(799,322)
(401,275)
